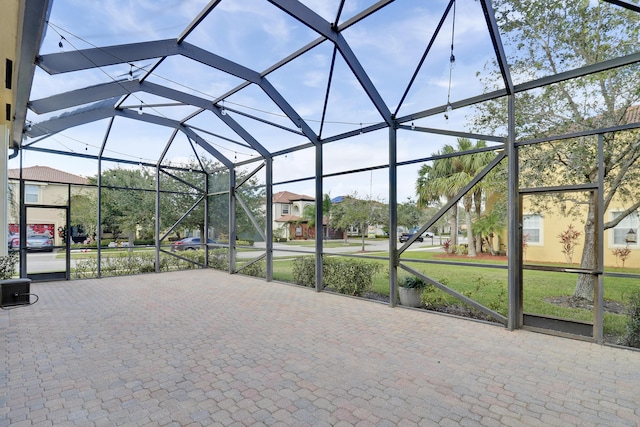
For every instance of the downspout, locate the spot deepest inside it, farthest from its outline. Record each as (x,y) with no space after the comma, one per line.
(16,150)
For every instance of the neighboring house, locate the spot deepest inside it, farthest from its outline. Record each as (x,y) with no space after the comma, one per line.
(541,231)
(44,186)
(288,209)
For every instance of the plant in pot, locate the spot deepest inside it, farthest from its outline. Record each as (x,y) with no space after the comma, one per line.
(410,289)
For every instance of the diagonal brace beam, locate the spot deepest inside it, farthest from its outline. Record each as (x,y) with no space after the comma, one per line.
(497,316)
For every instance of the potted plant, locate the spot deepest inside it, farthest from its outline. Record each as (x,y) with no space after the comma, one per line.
(410,289)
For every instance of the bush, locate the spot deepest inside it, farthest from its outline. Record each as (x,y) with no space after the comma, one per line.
(349,276)
(345,276)
(632,338)
(304,271)
(218,259)
(257,269)
(460,249)
(8,265)
(433,298)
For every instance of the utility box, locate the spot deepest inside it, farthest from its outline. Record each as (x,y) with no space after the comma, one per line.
(15,292)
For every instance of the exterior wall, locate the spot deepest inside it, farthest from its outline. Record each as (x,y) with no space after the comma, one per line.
(549,249)
(8,49)
(48,194)
(296,209)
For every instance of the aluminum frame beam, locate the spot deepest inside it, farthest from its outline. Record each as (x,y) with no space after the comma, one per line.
(33,17)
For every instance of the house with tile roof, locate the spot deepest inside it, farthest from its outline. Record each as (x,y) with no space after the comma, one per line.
(46,196)
(288,209)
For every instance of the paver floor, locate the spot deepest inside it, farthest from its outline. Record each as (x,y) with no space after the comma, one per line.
(205,348)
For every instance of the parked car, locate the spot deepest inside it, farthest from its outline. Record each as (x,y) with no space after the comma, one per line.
(35,242)
(10,238)
(406,236)
(190,244)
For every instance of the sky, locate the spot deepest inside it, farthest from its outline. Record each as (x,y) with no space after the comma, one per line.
(256,34)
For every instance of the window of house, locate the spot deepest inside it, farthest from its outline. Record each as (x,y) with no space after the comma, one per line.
(31,193)
(620,231)
(532,229)
(285,209)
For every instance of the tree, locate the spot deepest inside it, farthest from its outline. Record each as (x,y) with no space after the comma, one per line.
(359,213)
(127,201)
(84,208)
(409,215)
(551,37)
(432,185)
(309,213)
(487,226)
(447,176)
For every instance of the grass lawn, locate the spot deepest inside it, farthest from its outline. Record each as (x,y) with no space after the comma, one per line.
(325,244)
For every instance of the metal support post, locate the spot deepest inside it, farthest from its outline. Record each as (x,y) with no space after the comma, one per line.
(269,212)
(232,220)
(514,227)
(319,215)
(393,216)
(598,323)
(99,217)
(4,187)
(23,225)
(157,219)
(205,239)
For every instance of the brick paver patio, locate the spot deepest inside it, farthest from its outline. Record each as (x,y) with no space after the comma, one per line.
(205,348)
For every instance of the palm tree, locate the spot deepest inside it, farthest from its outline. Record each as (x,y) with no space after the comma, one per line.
(433,183)
(446,177)
(471,165)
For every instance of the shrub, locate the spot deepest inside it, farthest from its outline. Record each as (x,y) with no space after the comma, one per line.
(346,276)
(622,254)
(460,249)
(304,271)
(8,265)
(349,276)
(569,240)
(433,298)
(257,269)
(218,258)
(632,338)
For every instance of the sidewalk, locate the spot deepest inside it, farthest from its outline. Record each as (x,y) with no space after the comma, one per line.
(202,347)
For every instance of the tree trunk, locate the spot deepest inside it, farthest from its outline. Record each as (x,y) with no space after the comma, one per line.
(454,229)
(492,251)
(586,282)
(363,232)
(132,237)
(470,243)
(477,200)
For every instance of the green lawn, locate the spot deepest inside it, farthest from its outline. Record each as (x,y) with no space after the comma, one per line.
(325,244)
